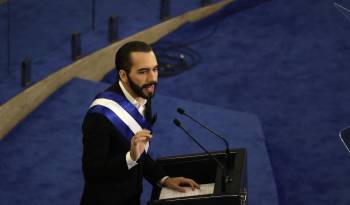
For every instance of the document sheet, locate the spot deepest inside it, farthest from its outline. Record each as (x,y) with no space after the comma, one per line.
(167,193)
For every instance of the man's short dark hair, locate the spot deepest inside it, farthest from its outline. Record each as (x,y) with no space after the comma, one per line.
(122,58)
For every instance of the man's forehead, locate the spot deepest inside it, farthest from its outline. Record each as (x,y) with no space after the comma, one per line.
(138,54)
(147,59)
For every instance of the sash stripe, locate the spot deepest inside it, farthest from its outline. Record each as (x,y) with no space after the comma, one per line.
(120,112)
(126,105)
(115,120)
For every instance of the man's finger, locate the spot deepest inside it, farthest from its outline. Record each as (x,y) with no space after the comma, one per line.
(142,139)
(149,136)
(192,186)
(195,184)
(142,135)
(179,189)
(191,183)
(145,135)
(144,131)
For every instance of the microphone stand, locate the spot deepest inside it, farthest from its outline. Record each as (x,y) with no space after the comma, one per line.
(227,151)
(225,176)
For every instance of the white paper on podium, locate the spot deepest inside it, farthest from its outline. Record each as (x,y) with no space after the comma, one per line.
(167,193)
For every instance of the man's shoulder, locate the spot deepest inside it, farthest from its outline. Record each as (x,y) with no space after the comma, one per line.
(114,88)
(94,119)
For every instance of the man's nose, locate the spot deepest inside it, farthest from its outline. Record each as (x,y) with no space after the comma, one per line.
(153,76)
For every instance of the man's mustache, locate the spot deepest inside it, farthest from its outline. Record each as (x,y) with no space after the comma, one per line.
(149,84)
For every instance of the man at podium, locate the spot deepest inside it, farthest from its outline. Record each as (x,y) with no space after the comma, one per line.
(117,130)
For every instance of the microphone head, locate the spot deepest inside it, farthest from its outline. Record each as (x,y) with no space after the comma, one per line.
(180,110)
(177,122)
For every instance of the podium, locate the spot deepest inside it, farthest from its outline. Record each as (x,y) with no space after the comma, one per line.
(204,169)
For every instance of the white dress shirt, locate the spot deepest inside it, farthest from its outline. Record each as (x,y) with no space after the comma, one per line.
(140,105)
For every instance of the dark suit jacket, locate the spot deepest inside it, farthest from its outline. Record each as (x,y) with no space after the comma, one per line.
(107,177)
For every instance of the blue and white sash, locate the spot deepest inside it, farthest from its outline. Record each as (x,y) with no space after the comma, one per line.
(120,112)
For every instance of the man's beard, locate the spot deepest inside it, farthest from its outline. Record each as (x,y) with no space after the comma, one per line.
(138,90)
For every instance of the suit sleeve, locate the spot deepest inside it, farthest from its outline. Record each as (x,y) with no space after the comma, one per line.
(153,172)
(98,163)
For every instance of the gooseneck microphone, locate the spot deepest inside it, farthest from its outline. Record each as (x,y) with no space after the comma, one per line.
(225,177)
(182,112)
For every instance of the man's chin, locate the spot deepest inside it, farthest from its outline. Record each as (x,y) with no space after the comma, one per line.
(147,95)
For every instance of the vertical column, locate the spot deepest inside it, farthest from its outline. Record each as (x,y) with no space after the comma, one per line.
(205,2)
(76,46)
(113,28)
(164,10)
(26,76)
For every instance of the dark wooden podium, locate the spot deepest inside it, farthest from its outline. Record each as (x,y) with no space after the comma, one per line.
(203,169)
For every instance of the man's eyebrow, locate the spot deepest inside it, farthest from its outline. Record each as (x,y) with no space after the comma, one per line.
(144,69)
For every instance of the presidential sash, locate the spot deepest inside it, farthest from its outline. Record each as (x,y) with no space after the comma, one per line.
(120,112)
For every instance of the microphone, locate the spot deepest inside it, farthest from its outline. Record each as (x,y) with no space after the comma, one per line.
(182,112)
(225,177)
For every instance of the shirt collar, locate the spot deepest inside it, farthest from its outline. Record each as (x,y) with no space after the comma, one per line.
(137,103)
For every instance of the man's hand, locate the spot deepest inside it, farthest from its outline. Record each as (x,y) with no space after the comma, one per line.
(138,143)
(176,183)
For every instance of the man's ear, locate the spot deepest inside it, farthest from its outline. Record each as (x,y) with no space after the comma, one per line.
(122,76)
